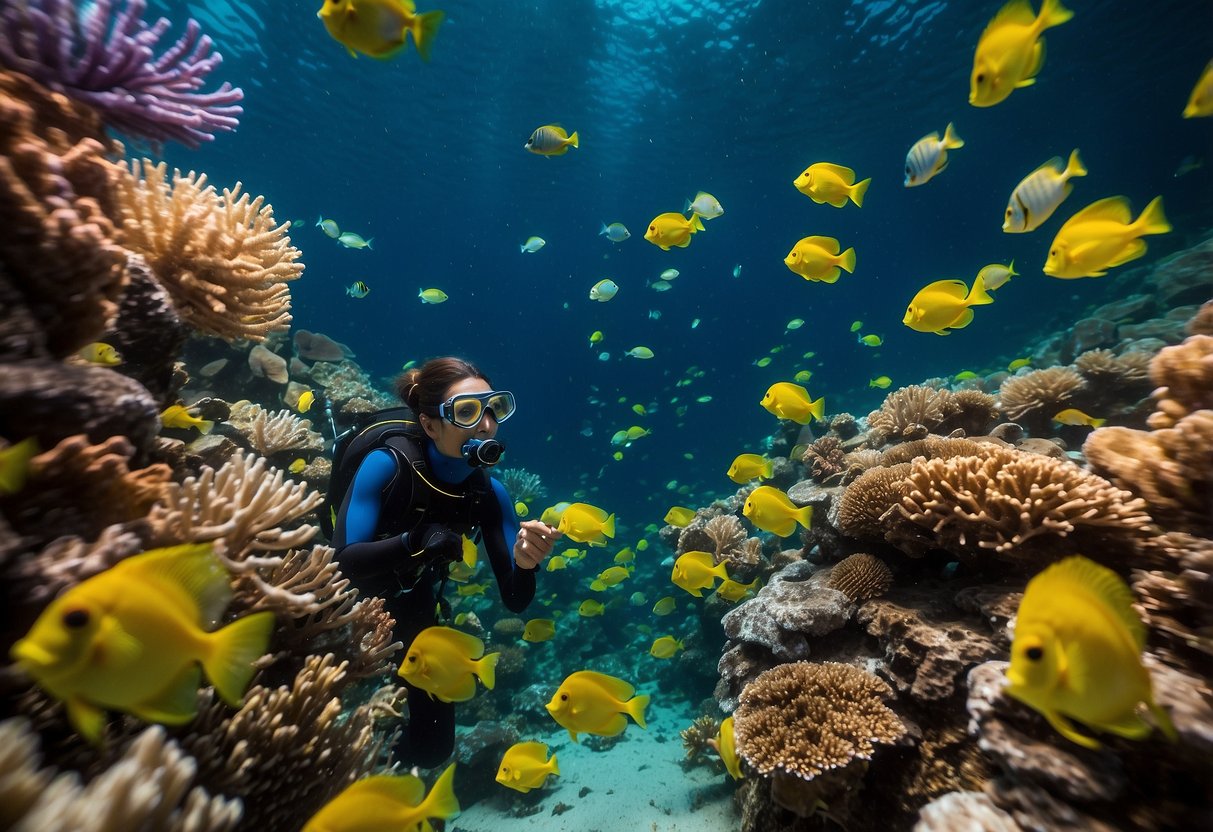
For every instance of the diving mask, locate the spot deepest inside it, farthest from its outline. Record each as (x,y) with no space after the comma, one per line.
(467,409)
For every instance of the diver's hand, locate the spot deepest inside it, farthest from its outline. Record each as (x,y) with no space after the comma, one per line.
(535,541)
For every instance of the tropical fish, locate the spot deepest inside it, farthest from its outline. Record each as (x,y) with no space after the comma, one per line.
(445,663)
(329,227)
(695,572)
(661,285)
(791,401)
(521,509)
(590,608)
(802,376)
(388,801)
(556,563)
(594,703)
(637,599)
(1102,236)
(929,156)
(624,555)
(378,27)
(636,432)
(942,306)
(1040,193)
(1073,416)
(817,258)
(469,554)
(101,354)
(432,295)
(1188,164)
(964,375)
(584,523)
(726,746)
(1200,102)
(705,205)
(532,245)
(524,768)
(731,590)
(665,647)
(132,638)
(1077,653)
(351,240)
(670,274)
(882,382)
(765,361)
(596,336)
(1019,363)
(305,402)
(538,630)
(680,516)
(357,289)
(14,465)
(672,229)
(1010,51)
(665,606)
(795,323)
(640,410)
(823,182)
(770,509)
(870,340)
(737,270)
(746,467)
(604,290)
(856,326)
(639,352)
(613,575)
(551,140)
(615,232)
(996,275)
(178,416)
(551,515)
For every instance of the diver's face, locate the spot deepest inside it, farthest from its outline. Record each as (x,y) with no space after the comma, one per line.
(449,438)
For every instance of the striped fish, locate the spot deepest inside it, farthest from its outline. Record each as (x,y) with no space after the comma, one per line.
(929,156)
(551,140)
(1036,198)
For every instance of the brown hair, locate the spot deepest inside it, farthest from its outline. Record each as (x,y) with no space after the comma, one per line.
(424,388)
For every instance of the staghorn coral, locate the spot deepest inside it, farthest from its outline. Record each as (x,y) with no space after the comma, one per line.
(1184,376)
(727,534)
(149,787)
(909,411)
(106,59)
(222,257)
(861,576)
(61,272)
(282,431)
(866,501)
(1035,397)
(522,485)
(695,740)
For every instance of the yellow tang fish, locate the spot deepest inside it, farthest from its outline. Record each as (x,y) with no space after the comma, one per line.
(178,416)
(642,544)
(613,575)
(552,514)
(625,555)
(1010,51)
(636,432)
(1073,416)
(596,336)
(882,382)
(590,608)
(817,259)
(1077,653)
(521,509)
(100,353)
(132,638)
(556,563)
(944,305)
(14,465)
(665,647)
(791,401)
(929,156)
(672,229)
(445,663)
(870,340)
(470,552)
(640,410)
(802,376)
(468,590)
(679,516)
(538,629)
(996,275)
(826,183)
(524,768)
(1200,103)
(298,465)
(1019,363)
(665,606)
(726,746)
(770,510)
(595,703)
(378,28)
(551,140)
(387,801)
(964,375)
(694,572)
(584,523)
(746,467)
(1039,194)
(305,401)
(1102,236)
(730,590)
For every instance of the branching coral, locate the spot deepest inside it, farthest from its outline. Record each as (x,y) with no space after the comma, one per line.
(222,257)
(695,739)
(825,459)
(861,577)
(67,561)
(275,433)
(975,412)
(726,533)
(522,485)
(60,270)
(1184,375)
(106,59)
(1176,594)
(910,413)
(1037,396)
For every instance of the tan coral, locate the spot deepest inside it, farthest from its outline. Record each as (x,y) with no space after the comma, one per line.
(861,577)
(825,459)
(267,364)
(910,411)
(1038,395)
(932,447)
(1184,377)
(222,257)
(866,501)
(1176,595)
(39,578)
(272,433)
(975,412)
(727,534)
(695,739)
(1104,367)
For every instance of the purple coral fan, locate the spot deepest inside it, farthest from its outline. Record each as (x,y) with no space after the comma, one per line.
(106,60)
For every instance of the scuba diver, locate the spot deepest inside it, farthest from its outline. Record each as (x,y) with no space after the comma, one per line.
(418,487)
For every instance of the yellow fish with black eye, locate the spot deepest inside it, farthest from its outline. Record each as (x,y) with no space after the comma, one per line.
(388,801)
(791,401)
(818,259)
(132,638)
(942,306)
(594,703)
(672,230)
(584,523)
(552,140)
(178,416)
(666,647)
(731,590)
(1077,653)
(379,28)
(538,630)
(523,767)
(445,663)
(746,467)
(769,509)
(1011,51)
(679,516)
(665,606)
(1102,236)
(726,747)
(694,572)
(101,354)
(824,182)
(1074,416)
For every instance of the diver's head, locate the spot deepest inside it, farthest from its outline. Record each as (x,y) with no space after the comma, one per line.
(454,402)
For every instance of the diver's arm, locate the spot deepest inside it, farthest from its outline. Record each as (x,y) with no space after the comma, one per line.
(358,553)
(500,528)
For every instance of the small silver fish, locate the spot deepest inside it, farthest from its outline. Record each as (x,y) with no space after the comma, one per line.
(351,240)
(329,227)
(615,232)
(929,156)
(1040,193)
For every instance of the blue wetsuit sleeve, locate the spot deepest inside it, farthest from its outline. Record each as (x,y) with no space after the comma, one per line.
(517,585)
(358,552)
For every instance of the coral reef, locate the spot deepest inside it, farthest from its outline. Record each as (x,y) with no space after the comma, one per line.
(910,413)
(1184,376)
(727,535)
(695,740)
(1034,398)
(861,576)
(274,434)
(522,485)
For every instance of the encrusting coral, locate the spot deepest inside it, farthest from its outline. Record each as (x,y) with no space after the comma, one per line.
(861,576)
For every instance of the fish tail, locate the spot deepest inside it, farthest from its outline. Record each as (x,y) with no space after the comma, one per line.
(1011,268)
(486,669)
(721,571)
(441,801)
(804,516)
(521,250)
(1074,167)
(574,140)
(768,469)
(603,230)
(846,261)
(817,409)
(233,651)
(1098,423)
(696,223)
(608,528)
(425,26)
(553,768)
(1052,13)
(951,141)
(1152,220)
(858,190)
(368,244)
(977,295)
(205,426)
(687,207)
(635,708)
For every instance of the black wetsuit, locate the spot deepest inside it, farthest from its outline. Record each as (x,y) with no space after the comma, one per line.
(376,545)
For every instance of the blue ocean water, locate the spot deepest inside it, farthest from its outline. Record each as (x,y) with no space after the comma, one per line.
(671,97)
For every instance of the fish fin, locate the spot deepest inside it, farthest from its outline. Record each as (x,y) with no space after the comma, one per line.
(1052,13)
(608,527)
(720,570)
(1074,167)
(826,244)
(192,569)
(403,789)
(617,688)
(552,766)
(817,409)
(1163,719)
(177,704)
(951,141)
(804,516)
(962,320)
(1152,219)
(831,276)
(696,223)
(486,669)
(844,173)
(1017,12)
(1131,251)
(635,708)
(574,140)
(424,27)
(837,202)
(1098,423)
(956,288)
(1054,165)
(1038,61)
(441,801)
(86,718)
(1064,727)
(232,653)
(1011,269)
(858,190)
(846,261)
(1105,585)
(205,426)
(978,296)
(1114,208)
